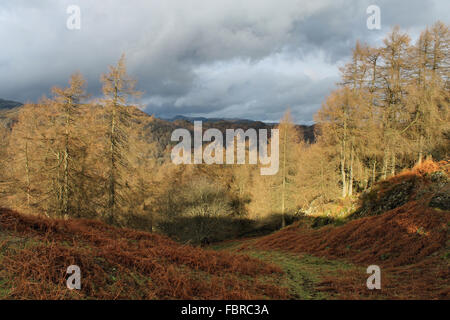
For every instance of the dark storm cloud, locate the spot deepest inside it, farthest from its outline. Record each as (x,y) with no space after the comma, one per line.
(250,59)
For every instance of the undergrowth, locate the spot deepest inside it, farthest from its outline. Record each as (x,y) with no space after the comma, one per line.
(121,264)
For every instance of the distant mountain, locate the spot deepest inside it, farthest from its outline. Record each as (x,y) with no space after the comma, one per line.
(159,130)
(7,105)
(9,111)
(235,123)
(203,119)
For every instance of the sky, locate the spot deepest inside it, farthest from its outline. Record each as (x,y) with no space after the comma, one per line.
(249,59)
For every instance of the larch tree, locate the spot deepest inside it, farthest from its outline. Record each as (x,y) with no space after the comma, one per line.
(118,88)
(67,102)
(395,74)
(317,180)
(337,120)
(427,94)
(23,155)
(284,180)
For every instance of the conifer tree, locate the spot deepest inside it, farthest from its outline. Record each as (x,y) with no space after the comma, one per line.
(118,88)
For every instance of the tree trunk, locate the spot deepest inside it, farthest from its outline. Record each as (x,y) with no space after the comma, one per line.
(343,175)
(112,182)
(385,164)
(350,184)
(393,164)
(27,168)
(65,200)
(420,149)
(374,172)
(283,193)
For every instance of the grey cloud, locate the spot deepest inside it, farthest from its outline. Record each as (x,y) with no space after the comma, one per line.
(250,59)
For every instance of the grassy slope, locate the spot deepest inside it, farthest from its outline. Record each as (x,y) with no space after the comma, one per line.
(407,238)
(303,274)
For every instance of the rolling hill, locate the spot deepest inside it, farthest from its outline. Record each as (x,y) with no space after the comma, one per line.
(5,104)
(401,225)
(159,130)
(8,113)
